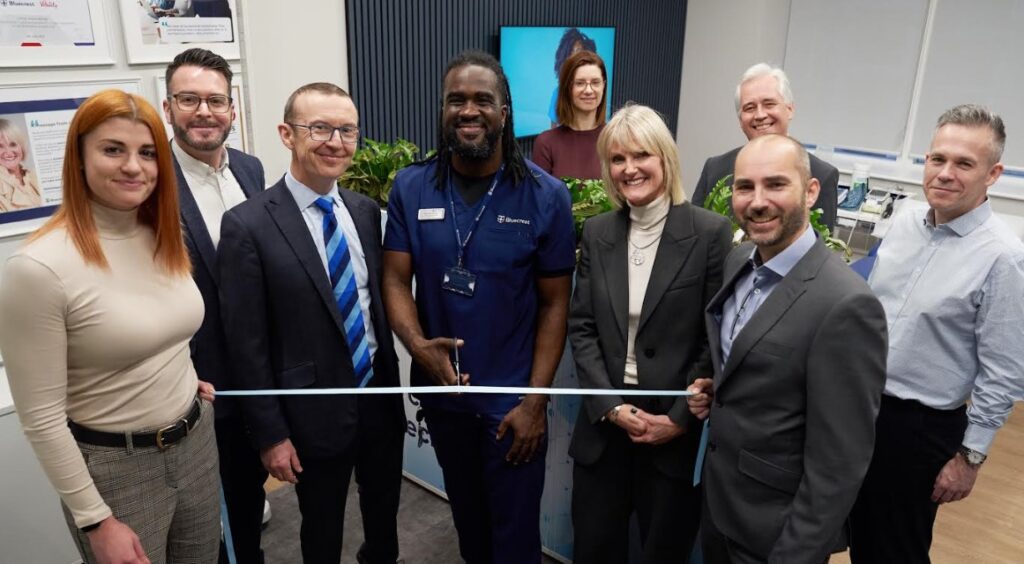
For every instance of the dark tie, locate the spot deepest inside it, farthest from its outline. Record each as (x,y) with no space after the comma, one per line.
(343,282)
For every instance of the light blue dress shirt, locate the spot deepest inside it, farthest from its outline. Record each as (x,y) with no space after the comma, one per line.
(314,218)
(753,288)
(954,300)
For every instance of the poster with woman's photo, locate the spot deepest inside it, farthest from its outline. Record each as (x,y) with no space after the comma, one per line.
(34,121)
(156,30)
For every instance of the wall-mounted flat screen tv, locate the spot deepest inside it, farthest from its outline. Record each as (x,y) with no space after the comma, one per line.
(532,56)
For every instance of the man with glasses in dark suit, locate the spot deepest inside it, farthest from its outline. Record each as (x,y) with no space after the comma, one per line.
(300,268)
(213,178)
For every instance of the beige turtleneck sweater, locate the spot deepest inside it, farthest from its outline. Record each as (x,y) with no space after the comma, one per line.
(107,348)
(646,224)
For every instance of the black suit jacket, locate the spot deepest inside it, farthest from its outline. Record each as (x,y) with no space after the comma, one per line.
(671,343)
(793,420)
(717,167)
(209,349)
(284,329)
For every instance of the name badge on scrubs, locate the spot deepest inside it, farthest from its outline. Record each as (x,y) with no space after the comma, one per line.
(460,281)
(431,214)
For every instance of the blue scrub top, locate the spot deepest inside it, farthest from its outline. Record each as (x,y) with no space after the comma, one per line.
(525,232)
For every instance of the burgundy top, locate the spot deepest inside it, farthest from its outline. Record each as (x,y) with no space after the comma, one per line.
(562,151)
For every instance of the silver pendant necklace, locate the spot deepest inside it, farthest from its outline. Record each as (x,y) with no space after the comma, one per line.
(638,256)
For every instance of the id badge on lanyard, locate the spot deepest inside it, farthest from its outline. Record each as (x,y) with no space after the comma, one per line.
(457,279)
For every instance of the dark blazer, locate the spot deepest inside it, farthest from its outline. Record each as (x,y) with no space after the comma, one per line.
(793,420)
(284,329)
(717,167)
(671,343)
(209,349)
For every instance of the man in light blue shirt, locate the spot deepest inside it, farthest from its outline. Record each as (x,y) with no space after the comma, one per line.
(951,279)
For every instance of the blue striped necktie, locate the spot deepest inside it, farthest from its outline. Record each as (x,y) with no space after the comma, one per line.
(343,282)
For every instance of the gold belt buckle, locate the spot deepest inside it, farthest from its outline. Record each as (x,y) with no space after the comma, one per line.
(160,434)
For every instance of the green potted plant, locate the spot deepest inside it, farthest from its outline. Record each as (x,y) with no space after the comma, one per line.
(375,165)
(588,199)
(719,201)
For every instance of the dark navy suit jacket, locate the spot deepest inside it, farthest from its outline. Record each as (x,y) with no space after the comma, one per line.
(284,329)
(209,350)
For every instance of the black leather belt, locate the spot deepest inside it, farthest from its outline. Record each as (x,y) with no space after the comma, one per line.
(161,438)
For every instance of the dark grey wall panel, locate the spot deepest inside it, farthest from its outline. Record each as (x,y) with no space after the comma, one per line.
(397,51)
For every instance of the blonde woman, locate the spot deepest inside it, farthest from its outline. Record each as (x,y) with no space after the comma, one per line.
(19,188)
(646,272)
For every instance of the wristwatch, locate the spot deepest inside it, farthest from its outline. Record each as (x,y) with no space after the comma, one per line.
(973,457)
(92,527)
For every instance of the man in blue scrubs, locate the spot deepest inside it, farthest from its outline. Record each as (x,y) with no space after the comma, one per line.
(489,238)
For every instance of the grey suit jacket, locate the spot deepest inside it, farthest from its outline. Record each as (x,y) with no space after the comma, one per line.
(717,167)
(793,420)
(671,344)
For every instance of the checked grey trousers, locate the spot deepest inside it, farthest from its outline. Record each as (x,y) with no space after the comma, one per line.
(170,498)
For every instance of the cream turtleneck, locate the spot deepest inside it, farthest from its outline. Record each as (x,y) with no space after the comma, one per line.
(108,348)
(646,224)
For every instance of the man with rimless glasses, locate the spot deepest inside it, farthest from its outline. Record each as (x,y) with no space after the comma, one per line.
(213,178)
(300,268)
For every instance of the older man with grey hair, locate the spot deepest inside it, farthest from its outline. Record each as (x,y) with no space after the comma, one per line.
(951,280)
(764,104)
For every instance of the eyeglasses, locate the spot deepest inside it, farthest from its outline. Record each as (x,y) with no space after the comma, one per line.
(595,84)
(217,103)
(324,132)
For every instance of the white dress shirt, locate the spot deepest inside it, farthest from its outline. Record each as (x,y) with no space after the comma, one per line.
(216,190)
(305,197)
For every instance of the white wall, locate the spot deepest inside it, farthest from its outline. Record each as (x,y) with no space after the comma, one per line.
(286,45)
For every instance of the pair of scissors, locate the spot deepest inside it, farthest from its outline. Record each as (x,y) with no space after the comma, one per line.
(458,373)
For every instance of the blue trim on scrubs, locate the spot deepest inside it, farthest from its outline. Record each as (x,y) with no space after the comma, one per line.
(526,232)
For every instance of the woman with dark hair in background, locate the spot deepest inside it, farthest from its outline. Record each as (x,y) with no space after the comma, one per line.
(646,273)
(573,41)
(96,313)
(19,188)
(570,149)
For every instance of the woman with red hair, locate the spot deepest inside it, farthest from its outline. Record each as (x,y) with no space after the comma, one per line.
(96,313)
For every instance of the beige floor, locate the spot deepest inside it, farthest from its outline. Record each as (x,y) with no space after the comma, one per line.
(988,526)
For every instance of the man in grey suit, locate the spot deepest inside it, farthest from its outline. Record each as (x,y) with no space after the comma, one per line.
(798,344)
(764,104)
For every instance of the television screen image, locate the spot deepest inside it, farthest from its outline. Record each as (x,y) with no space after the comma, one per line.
(531,57)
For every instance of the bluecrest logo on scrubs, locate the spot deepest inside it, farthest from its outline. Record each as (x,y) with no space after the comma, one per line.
(507,219)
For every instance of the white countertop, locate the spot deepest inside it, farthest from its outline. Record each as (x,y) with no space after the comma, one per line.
(909,174)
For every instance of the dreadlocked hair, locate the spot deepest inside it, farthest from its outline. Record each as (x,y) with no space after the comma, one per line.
(515,163)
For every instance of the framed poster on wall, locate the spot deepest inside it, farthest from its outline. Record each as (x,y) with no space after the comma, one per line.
(34,121)
(237,135)
(157,30)
(43,33)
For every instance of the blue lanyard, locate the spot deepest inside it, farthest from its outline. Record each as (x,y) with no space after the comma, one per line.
(460,242)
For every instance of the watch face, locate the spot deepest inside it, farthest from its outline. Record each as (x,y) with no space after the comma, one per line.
(973,457)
